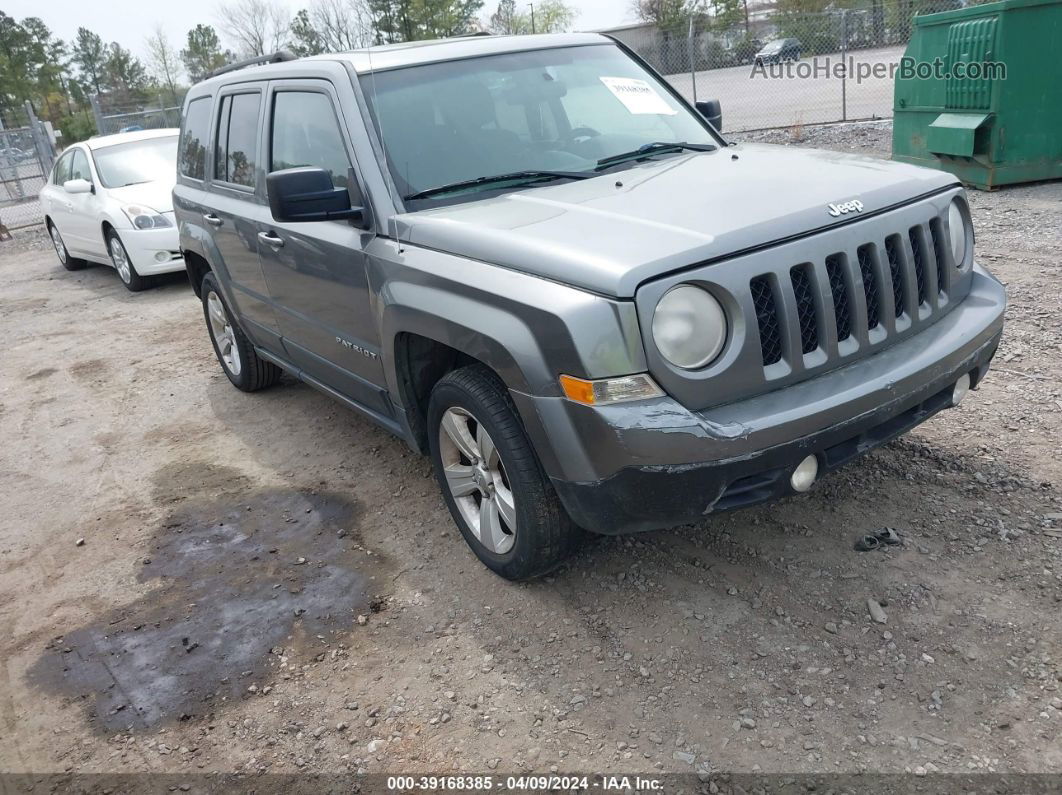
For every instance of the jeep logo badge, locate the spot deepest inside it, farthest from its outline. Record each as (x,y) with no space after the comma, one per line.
(837,210)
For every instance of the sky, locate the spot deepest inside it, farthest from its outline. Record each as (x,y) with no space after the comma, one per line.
(130,22)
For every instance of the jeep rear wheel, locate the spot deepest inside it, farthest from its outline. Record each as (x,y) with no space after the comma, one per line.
(503,503)
(243,366)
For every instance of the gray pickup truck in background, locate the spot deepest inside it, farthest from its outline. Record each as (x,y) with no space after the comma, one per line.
(533,260)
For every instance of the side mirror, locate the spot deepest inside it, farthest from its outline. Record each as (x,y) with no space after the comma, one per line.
(307,194)
(713,112)
(77,186)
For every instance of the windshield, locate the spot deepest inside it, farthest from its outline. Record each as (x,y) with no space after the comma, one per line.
(562,109)
(137,161)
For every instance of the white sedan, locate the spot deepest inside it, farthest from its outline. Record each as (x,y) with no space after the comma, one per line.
(108,200)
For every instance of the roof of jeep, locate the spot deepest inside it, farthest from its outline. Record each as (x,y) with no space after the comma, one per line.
(394,56)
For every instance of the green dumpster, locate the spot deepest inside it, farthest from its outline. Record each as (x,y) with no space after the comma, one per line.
(979,93)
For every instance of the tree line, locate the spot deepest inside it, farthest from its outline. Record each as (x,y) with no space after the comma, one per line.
(59,77)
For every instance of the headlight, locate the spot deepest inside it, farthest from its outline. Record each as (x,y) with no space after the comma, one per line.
(144,217)
(957,231)
(689,326)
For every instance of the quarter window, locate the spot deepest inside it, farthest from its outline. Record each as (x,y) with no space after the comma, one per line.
(237,139)
(194,132)
(306,133)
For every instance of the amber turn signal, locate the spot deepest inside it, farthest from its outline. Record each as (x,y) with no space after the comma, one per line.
(609,390)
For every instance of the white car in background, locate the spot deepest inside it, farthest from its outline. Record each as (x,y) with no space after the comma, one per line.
(108,200)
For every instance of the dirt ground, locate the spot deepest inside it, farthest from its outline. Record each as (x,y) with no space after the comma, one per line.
(195,580)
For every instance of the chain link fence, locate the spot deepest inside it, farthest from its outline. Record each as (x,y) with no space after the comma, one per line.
(27,152)
(112,118)
(779,67)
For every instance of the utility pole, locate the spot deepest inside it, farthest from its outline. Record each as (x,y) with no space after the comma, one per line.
(97,114)
(532,17)
(689,51)
(844,64)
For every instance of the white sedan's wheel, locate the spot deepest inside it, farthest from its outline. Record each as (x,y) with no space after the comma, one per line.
(68,262)
(60,246)
(133,281)
(120,259)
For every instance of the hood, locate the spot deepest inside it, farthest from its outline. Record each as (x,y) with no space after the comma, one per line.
(156,195)
(611,233)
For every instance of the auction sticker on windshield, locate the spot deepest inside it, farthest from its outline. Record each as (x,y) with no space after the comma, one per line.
(638,96)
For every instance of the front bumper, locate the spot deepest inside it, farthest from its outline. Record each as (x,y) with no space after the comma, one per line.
(142,245)
(653,464)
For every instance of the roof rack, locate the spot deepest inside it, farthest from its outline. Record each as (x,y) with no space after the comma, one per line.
(274,57)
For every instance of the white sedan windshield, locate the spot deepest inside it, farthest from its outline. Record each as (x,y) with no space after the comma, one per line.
(137,161)
(564,108)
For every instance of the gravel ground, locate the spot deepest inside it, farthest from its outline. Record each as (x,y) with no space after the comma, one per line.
(197,580)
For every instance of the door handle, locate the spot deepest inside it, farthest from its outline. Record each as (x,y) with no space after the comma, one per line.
(271,238)
(212,219)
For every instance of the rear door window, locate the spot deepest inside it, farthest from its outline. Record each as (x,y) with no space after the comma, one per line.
(194,133)
(236,146)
(306,133)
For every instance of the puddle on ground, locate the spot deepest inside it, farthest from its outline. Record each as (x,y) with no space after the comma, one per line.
(237,576)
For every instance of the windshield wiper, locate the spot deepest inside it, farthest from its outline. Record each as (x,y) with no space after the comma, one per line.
(527,177)
(656,147)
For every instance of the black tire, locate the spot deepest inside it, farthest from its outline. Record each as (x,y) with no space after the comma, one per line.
(545,535)
(132,280)
(68,262)
(253,372)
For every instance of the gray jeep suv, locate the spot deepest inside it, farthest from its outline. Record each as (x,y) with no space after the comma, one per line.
(530,258)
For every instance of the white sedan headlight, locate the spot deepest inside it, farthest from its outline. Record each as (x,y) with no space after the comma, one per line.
(143,217)
(689,326)
(957,232)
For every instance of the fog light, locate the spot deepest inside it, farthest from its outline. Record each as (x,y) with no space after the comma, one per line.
(162,256)
(805,473)
(962,386)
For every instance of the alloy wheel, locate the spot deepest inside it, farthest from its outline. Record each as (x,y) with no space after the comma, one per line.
(222,332)
(477,481)
(60,246)
(120,259)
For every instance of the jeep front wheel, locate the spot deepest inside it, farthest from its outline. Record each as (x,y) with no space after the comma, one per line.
(502,501)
